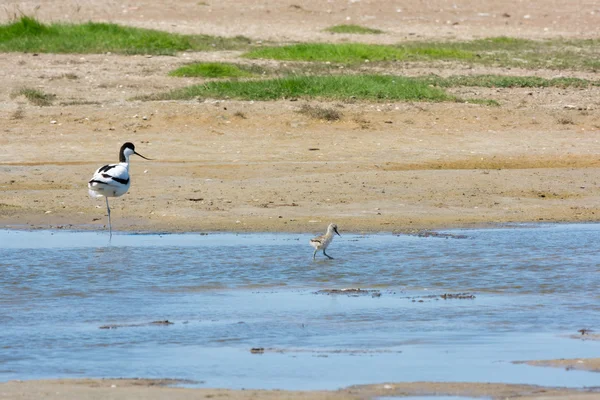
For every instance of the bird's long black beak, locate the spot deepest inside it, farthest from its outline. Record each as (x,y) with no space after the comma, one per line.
(138,154)
(337,232)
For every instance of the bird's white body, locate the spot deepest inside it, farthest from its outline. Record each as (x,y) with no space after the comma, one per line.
(323,241)
(110,181)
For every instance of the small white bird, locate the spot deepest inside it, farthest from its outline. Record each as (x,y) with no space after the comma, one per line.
(321,242)
(113,180)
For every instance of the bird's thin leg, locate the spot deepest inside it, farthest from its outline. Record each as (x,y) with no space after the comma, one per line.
(327,255)
(314,254)
(109,224)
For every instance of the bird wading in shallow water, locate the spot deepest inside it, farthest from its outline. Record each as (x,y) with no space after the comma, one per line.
(321,242)
(113,180)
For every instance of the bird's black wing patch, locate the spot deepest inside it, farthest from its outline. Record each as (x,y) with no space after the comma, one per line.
(118,180)
(315,240)
(121,181)
(106,168)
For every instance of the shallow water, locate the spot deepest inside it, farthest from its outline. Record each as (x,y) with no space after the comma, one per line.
(228,293)
(432,398)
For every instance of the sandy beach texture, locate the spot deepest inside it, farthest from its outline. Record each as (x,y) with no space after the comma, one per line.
(582,364)
(262,166)
(93,389)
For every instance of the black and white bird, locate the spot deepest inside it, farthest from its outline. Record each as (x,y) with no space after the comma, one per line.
(321,242)
(113,180)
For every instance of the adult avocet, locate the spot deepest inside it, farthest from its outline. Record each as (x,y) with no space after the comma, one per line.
(321,242)
(113,180)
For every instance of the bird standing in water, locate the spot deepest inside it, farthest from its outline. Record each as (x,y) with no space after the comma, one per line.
(321,242)
(113,180)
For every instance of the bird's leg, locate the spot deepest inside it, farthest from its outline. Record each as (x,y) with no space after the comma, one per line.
(314,254)
(109,224)
(327,255)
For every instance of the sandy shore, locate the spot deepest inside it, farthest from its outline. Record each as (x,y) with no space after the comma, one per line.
(254,166)
(155,389)
(425,166)
(582,364)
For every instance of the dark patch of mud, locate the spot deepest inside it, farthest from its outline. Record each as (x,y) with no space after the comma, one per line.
(351,292)
(445,296)
(166,322)
(321,352)
(434,234)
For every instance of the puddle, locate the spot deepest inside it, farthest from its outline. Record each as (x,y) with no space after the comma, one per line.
(388,308)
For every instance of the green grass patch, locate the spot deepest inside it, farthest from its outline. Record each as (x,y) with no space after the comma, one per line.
(212,70)
(356,29)
(499,51)
(333,87)
(364,87)
(29,35)
(35,96)
(356,52)
(501,81)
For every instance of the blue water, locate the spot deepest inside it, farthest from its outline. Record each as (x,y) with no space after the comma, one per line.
(227,293)
(430,398)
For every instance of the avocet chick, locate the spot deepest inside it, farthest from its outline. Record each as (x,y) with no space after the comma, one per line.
(321,242)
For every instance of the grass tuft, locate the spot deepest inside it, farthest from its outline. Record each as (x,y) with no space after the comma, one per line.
(29,35)
(36,97)
(565,121)
(18,114)
(355,29)
(211,70)
(355,52)
(333,87)
(79,103)
(319,112)
(484,102)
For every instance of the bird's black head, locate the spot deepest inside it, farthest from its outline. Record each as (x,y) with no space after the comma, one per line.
(128,145)
(128,149)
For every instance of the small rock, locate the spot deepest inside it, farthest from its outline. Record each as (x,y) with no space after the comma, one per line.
(53,122)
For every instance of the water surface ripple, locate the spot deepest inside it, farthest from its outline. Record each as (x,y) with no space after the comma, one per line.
(227,293)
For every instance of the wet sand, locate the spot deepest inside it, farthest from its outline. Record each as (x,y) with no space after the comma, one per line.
(583,364)
(432,166)
(155,389)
